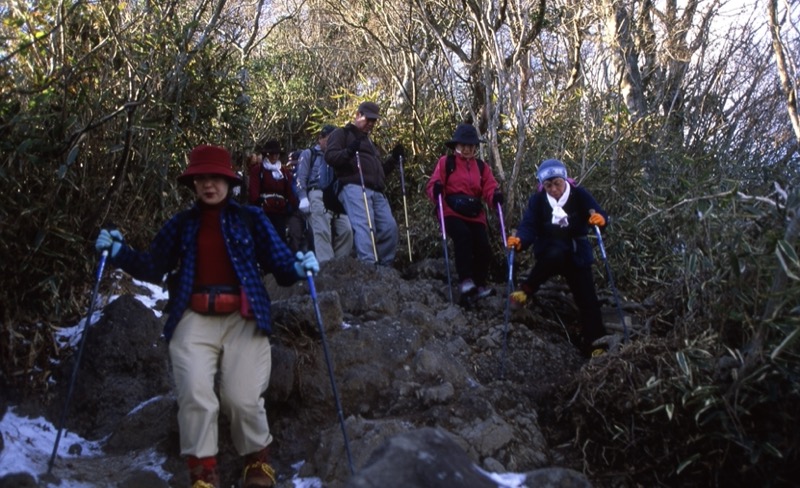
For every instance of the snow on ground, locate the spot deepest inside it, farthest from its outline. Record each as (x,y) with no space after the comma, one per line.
(29,442)
(29,445)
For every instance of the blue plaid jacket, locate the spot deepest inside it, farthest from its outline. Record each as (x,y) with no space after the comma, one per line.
(176,243)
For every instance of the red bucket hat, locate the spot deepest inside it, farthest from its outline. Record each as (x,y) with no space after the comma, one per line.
(209,160)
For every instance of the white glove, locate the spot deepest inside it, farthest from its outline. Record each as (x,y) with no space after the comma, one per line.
(305,206)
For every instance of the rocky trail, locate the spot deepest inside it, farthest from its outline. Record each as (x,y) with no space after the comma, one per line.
(429,394)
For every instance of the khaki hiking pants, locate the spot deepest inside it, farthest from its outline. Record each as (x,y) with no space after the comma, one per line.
(333,236)
(203,345)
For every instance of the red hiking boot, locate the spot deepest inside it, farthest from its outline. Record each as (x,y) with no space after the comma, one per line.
(257,471)
(203,472)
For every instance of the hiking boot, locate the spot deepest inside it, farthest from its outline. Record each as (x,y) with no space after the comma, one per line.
(203,472)
(518,299)
(257,471)
(203,484)
(467,287)
(483,292)
(597,352)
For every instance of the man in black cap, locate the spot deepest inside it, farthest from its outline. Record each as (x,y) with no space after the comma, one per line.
(362,176)
(333,236)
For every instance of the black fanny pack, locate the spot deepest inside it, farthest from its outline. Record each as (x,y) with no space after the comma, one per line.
(464,204)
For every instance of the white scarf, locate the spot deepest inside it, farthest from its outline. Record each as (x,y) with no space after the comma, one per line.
(559,215)
(275,169)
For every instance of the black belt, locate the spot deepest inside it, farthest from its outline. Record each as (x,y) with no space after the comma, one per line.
(217,289)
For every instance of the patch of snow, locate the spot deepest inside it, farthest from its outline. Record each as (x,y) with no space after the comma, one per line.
(29,445)
(505,480)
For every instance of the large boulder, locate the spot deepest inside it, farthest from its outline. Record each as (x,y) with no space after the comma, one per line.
(124,364)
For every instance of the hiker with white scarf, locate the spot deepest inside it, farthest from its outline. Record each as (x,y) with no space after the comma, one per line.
(270,187)
(556,223)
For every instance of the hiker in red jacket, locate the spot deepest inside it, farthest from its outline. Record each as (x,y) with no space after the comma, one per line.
(464,184)
(271,188)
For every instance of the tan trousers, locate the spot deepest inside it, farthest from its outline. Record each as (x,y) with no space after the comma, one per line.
(333,236)
(201,346)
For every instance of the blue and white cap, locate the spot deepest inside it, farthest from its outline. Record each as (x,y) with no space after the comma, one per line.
(551,168)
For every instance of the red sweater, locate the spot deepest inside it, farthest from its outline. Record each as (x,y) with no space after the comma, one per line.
(214,266)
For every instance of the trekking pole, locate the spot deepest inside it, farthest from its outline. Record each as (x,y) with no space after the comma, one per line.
(509,289)
(611,284)
(70,390)
(502,224)
(405,207)
(507,314)
(313,291)
(444,246)
(366,208)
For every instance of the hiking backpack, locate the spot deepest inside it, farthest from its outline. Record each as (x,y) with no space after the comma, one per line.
(328,183)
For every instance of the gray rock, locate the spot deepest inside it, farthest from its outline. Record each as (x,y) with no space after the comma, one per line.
(18,480)
(425,457)
(124,364)
(556,478)
(143,479)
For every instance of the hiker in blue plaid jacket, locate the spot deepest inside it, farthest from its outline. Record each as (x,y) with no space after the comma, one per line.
(218,302)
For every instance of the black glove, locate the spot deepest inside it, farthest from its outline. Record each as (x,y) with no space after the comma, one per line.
(438,188)
(355,146)
(398,152)
(498,199)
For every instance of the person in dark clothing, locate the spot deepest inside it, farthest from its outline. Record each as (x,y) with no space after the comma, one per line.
(219,313)
(463,188)
(271,187)
(353,155)
(556,223)
(299,234)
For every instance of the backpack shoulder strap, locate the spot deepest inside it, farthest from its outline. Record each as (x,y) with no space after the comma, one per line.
(450,166)
(313,154)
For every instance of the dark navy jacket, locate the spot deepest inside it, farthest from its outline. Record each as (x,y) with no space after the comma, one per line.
(537,228)
(264,249)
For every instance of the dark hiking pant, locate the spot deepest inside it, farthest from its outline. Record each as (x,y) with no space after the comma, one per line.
(581,283)
(472,250)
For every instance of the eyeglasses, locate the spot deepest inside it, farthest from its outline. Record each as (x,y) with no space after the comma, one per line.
(371,120)
(202,179)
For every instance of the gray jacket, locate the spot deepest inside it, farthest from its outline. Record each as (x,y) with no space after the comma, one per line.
(308,170)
